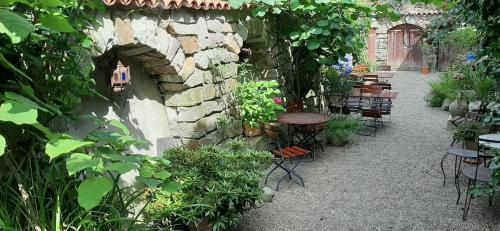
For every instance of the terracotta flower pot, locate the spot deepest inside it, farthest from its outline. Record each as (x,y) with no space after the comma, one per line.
(425,70)
(361,68)
(250,131)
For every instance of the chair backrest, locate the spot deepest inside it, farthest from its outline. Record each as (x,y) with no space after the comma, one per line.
(370,78)
(373,89)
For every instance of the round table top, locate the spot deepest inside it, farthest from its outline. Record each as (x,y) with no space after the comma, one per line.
(490,140)
(303,118)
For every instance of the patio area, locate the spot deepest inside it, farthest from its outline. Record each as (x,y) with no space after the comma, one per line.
(391,181)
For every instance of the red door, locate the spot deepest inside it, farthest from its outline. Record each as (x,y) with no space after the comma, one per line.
(403,50)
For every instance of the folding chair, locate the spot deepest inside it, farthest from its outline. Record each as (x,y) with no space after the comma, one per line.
(285,156)
(370,79)
(374,108)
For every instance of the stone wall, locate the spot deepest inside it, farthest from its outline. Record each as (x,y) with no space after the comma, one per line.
(179,49)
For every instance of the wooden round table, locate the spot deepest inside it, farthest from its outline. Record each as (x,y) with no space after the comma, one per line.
(303,118)
(306,126)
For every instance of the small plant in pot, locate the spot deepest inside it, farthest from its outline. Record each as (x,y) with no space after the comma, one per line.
(258,104)
(340,129)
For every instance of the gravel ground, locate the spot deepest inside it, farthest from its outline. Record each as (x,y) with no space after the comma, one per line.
(388,182)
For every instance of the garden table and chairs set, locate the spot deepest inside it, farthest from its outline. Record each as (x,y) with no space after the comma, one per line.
(478,170)
(372,99)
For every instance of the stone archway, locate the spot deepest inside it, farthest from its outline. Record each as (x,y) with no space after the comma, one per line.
(176,49)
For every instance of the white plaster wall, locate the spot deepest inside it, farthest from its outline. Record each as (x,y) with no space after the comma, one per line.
(140,108)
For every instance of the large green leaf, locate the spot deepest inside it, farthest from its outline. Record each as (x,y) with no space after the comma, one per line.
(3,144)
(56,22)
(14,26)
(313,44)
(122,168)
(92,190)
(121,126)
(24,100)
(62,145)
(79,161)
(18,113)
(148,181)
(172,186)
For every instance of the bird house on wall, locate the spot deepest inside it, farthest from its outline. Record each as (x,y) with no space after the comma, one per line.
(121,78)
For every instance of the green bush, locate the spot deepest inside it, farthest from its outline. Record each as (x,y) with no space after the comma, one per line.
(445,87)
(343,126)
(217,182)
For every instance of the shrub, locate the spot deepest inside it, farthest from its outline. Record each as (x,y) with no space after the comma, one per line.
(217,183)
(445,87)
(343,126)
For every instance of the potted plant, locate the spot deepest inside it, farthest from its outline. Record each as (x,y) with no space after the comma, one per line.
(339,129)
(257,105)
(427,60)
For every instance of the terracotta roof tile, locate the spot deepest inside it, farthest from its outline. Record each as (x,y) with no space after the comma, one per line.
(172,4)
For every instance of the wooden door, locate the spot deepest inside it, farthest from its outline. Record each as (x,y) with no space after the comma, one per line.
(403,50)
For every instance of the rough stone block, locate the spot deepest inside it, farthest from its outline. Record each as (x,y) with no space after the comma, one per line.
(188,68)
(209,92)
(190,114)
(201,60)
(189,97)
(207,75)
(221,55)
(166,87)
(231,43)
(182,29)
(124,31)
(215,25)
(189,44)
(195,79)
(228,70)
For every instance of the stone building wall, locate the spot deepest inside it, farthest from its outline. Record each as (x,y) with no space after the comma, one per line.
(179,50)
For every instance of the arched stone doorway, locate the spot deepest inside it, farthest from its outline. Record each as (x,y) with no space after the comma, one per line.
(403,50)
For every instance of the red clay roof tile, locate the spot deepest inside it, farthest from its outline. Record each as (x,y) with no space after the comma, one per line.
(172,4)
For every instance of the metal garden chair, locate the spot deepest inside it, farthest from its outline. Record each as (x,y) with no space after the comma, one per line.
(285,156)
(477,174)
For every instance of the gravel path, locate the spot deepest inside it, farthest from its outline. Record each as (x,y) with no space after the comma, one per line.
(388,182)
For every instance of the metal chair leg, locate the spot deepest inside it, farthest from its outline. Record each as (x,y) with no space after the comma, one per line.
(269,173)
(468,199)
(442,168)
(457,177)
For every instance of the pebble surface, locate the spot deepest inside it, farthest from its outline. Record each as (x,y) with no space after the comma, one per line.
(389,182)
